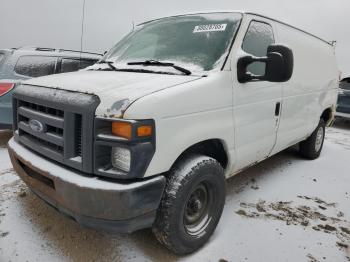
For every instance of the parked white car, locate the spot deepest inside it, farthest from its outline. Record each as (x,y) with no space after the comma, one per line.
(147,137)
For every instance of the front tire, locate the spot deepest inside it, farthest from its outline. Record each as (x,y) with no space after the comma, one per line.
(311,148)
(192,204)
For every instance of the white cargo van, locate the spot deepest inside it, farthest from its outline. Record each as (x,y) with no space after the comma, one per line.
(147,137)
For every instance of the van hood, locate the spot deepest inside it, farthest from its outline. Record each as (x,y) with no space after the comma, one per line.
(116,90)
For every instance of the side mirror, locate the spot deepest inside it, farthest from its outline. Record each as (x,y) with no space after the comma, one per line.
(279,63)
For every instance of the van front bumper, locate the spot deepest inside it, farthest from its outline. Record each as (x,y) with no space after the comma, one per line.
(117,207)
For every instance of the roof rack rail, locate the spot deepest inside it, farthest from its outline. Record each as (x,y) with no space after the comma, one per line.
(50,49)
(45,49)
(19,47)
(75,51)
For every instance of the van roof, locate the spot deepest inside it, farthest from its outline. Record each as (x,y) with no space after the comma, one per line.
(242,12)
(278,21)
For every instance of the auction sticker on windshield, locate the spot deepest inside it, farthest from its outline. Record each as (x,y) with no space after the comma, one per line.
(209,28)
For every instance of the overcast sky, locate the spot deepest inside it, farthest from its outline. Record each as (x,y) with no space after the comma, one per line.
(53,23)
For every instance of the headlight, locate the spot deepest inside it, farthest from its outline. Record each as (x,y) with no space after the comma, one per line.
(129,130)
(123,149)
(121,158)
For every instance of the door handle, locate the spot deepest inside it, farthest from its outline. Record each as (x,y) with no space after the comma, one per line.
(278,109)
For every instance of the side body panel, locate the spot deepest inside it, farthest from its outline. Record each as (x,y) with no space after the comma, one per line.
(312,88)
(255,122)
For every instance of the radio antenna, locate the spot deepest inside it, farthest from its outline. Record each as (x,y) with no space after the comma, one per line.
(82,32)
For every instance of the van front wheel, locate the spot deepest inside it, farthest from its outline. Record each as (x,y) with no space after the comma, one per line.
(192,204)
(311,148)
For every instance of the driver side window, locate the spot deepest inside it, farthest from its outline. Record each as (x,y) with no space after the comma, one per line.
(256,41)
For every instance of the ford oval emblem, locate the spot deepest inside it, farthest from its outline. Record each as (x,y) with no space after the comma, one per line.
(36,126)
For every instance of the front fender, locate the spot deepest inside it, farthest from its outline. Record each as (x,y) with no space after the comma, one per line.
(187,114)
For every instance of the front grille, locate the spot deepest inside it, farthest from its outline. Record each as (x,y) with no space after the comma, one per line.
(55,123)
(37,140)
(45,109)
(52,119)
(78,135)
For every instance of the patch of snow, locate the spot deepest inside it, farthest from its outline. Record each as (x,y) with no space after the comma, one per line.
(111,86)
(31,230)
(7,177)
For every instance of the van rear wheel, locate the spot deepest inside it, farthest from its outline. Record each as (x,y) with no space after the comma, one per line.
(192,204)
(311,148)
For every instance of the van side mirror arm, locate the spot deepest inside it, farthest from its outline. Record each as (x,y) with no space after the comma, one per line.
(243,62)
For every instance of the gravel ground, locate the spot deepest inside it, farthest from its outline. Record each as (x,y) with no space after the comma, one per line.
(283,209)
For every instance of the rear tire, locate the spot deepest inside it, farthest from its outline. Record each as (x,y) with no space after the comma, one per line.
(192,204)
(311,148)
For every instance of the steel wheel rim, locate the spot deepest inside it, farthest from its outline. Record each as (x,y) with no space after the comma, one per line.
(196,214)
(319,139)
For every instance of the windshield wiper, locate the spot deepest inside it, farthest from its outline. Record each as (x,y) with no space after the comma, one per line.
(158,63)
(109,63)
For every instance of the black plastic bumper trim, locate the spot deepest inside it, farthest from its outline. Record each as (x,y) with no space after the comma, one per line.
(109,226)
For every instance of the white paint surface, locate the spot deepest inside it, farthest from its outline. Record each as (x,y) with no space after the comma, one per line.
(39,233)
(111,87)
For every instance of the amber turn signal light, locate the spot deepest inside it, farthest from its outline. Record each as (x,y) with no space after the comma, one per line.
(143,131)
(122,129)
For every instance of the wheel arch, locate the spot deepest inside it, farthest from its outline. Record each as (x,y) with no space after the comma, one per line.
(327,115)
(214,148)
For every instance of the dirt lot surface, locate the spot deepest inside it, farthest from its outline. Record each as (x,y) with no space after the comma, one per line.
(284,209)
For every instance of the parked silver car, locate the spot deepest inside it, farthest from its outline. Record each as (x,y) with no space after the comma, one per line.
(18,64)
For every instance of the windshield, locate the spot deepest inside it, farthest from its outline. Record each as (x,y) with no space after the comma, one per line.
(198,42)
